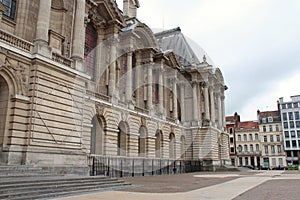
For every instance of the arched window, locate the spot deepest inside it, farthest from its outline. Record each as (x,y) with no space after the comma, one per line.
(182,147)
(4,94)
(97,139)
(172,146)
(158,144)
(91,37)
(245,148)
(142,141)
(122,139)
(11,8)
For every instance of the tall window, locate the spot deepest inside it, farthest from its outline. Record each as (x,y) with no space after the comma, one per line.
(90,49)
(265,139)
(266,150)
(291,116)
(277,127)
(264,129)
(278,138)
(284,116)
(257,147)
(250,137)
(11,8)
(271,138)
(251,148)
(239,138)
(297,117)
(271,128)
(256,136)
(245,137)
(279,149)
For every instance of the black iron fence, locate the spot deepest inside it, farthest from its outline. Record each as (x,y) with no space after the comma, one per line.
(129,167)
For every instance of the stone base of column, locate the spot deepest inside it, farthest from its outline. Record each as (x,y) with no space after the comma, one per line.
(79,64)
(42,48)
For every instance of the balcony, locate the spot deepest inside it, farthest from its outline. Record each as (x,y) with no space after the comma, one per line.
(15,41)
(248,153)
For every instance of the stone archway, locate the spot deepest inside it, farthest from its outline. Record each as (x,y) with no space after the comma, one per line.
(159,144)
(172,147)
(97,136)
(4,97)
(142,141)
(122,139)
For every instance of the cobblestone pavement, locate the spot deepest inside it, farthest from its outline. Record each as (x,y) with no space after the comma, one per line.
(197,186)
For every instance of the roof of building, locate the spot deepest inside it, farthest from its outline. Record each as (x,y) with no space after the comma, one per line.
(174,40)
(247,126)
(230,119)
(266,114)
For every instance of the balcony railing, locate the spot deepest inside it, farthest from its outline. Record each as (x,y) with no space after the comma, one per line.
(15,41)
(249,153)
(62,60)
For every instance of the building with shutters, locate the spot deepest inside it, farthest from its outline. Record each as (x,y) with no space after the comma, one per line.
(81,78)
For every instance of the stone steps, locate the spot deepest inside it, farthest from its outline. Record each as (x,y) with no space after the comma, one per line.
(28,185)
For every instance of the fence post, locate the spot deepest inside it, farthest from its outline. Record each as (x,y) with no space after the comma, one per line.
(93,165)
(143,174)
(152,168)
(132,167)
(108,167)
(160,171)
(121,172)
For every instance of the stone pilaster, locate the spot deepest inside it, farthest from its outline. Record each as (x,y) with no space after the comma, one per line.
(223,112)
(220,120)
(206,102)
(112,70)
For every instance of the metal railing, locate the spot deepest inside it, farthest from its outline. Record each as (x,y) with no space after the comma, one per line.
(130,167)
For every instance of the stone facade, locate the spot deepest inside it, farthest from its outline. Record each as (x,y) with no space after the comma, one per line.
(80,77)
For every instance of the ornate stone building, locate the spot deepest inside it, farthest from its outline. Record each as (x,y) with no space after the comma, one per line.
(82,77)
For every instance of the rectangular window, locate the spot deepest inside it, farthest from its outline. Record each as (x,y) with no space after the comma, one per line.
(257,147)
(279,148)
(298,124)
(11,8)
(271,138)
(264,129)
(256,136)
(245,137)
(274,162)
(273,149)
(265,139)
(287,144)
(280,162)
(283,106)
(298,134)
(270,119)
(250,137)
(294,144)
(278,138)
(231,140)
(292,125)
(266,150)
(271,128)
(232,150)
(277,127)
(251,148)
(297,117)
(239,138)
(293,134)
(285,125)
(284,116)
(295,105)
(291,116)
(286,134)
(290,105)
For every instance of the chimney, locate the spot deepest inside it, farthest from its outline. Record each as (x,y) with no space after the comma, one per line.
(130,8)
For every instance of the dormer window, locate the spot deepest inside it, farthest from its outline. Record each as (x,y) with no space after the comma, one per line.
(270,119)
(11,8)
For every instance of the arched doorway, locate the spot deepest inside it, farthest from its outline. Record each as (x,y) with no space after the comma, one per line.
(4,95)
(142,141)
(158,144)
(97,136)
(122,139)
(172,146)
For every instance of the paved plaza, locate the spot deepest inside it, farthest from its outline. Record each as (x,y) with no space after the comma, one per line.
(195,186)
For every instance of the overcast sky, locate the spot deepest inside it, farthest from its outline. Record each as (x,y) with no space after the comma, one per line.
(256,44)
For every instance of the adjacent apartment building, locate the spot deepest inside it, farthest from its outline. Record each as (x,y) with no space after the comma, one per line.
(270,128)
(231,124)
(291,128)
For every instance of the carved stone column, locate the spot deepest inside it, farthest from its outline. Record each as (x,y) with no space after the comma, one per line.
(42,28)
(223,112)
(112,70)
(129,77)
(212,106)
(138,89)
(175,109)
(182,101)
(161,89)
(220,120)
(195,102)
(206,102)
(79,35)
(149,89)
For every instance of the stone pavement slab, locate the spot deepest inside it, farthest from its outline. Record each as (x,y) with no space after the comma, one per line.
(221,191)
